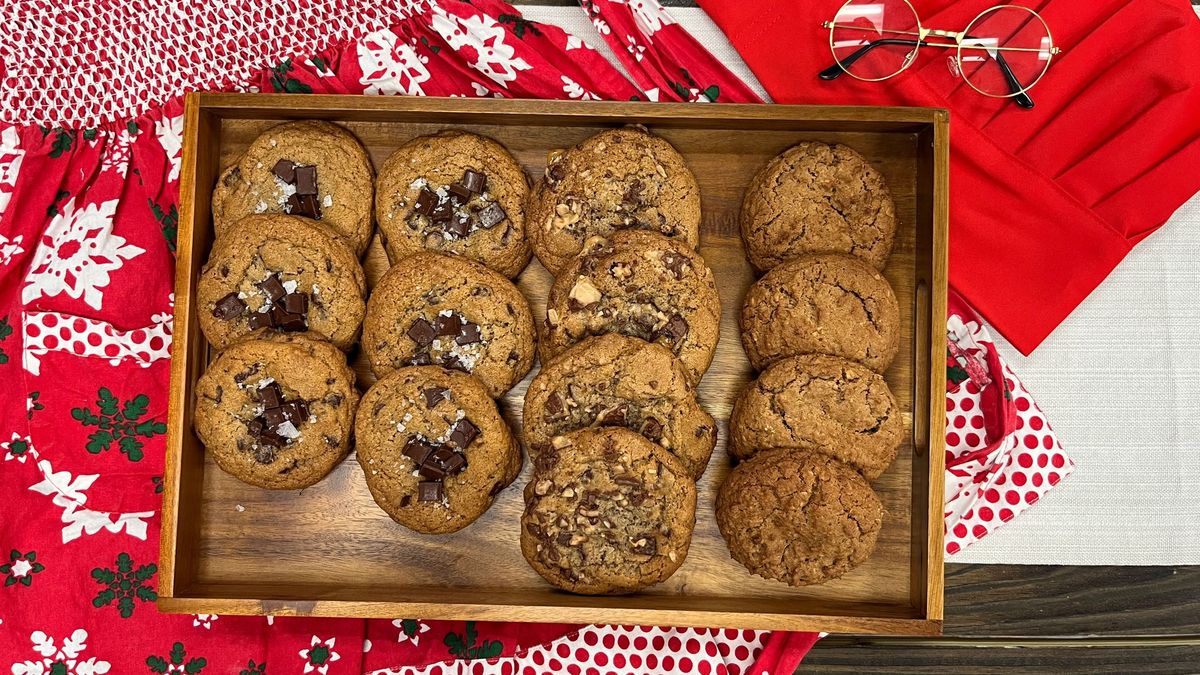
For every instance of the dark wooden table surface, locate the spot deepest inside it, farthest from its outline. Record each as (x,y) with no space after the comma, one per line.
(1036,618)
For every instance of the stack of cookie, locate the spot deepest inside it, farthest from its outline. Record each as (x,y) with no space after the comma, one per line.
(283,295)
(822,324)
(611,420)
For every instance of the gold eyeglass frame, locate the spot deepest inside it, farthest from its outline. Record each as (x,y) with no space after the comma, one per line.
(960,43)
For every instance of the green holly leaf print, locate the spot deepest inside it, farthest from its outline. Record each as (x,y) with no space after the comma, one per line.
(119,423)
(103,598)
(319,64)
(177,653)
(131,448)
(432,47)
(157,482)
(103,576)
(98,442)
(33,404)
(125,607)
(169,220)
(281,82)
(463,646)
(194,666)
(150,428)
(157,664)
(132,128)
(125,586)
(89,134)
(5,331)
(253,668)
(107,403)
(52,210)
(711,92)
(956,374)
(135,407)
(124,563)
(520,25)
(63,140)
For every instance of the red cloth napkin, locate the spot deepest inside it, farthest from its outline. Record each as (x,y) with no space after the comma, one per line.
(1044,202)
(88,216)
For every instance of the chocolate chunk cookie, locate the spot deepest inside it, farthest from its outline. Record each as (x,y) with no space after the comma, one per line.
(821,403)
(618,179)
(618,381)
(818,198)
(276,411)
(434,448)
(449,311)
(640,284)
(284,273)
(454,192)
(798,517)
(607,512)
(821,304)
(310,168)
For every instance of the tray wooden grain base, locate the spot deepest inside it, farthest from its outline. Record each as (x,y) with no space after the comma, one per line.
(228,548)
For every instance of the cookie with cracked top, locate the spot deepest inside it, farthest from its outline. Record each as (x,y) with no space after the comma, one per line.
(276,411)
(625,178)
(306,168)
(433,447)
(284,273)
(817,198)
(618,381)
(607,512)
(822,403)
(435,309)
(798,517)
(821,304)
(454,192)
(640,284)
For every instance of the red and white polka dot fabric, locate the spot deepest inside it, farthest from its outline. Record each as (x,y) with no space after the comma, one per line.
(1001,454)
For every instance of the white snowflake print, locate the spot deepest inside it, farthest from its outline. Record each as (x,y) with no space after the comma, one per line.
(391,66)
(653,95)
(601,26)
(480,40)
(410,630)
(575,90)
(319,655)
(9,248)
(319,66)
(170,136)
(76,255)
(203,620)
(637,50)
(574,42)
(117,153)
(649,16)
(11,156)
(67,493)
(18,449)
(61,660)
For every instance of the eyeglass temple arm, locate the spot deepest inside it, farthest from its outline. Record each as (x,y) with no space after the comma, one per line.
(835,71)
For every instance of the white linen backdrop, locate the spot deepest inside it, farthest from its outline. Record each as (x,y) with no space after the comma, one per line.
(1119,382)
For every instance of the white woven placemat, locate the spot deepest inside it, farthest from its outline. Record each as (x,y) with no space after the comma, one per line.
(1119,381)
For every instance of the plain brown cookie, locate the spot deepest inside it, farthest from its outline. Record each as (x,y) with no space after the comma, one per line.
(434,448)
(640,284)
(237,291)
(821,403)
(344,180)
(821,304)
(276,411)
(798,517)
(625,178)
(425,200)
(607,512)
(618,381)
(446,310)
(817,198)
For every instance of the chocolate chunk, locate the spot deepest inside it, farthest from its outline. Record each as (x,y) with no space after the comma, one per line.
(405,501)
(563,538)
(295,412)
(274,417)
(229,307)
(652,429)
(454,363)
(645,544)
(702,430)
(296,303)
(421,332)
(417,450)
(434,396)
(556,172)
(426,200)
(273,287)
(474,181)
(430,491)
(441,211)
(224,271)
(285,170)
(242,376)
(675,329)
(459,224)
(469,335)
(421,359)
(292,205)
(491,215)
(554,404)
(306,180)
(334,400)
(615,417)
(459,194)
(633,195)
(675,263)
(463,433)
(448,325)
(512,357)
(292,323)
(271,395)
(264,452)
(455,464)
(309,207)
(433,468)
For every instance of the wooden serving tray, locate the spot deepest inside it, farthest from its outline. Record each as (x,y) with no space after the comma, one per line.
(229,548)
